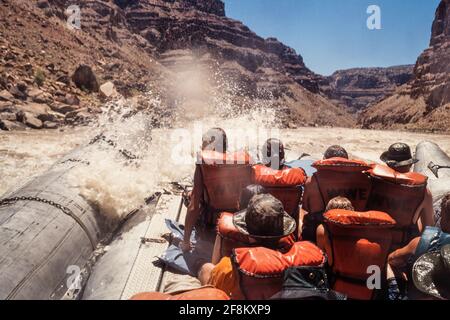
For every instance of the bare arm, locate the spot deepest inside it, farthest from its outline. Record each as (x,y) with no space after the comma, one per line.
(427,211)
(399,258)
(324,243)
(217,251)
(194,208)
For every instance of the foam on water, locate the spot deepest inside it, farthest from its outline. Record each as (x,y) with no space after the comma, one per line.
(117,185)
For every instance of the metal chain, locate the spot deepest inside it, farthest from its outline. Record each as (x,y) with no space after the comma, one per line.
(101,137)
(75,160)
(65,210)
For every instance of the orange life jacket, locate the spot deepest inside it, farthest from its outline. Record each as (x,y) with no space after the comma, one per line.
(196,294)
(224,176)
(285,185)
(400,194)
(358,240)
(343,177)
(261,269)
(232,238)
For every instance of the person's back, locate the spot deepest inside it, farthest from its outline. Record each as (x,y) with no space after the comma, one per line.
(402,193)
(284,183)
(354,242)
(399,158)
(218,179)
(335,176)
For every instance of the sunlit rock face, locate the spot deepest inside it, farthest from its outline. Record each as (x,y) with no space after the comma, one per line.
(424,102)
(361,87)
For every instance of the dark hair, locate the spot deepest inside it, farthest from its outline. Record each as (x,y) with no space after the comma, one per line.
(340,203)
(215,139)
(335,152)
(274,158)
(249,192)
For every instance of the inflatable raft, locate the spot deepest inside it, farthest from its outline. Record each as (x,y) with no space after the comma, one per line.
(48,231)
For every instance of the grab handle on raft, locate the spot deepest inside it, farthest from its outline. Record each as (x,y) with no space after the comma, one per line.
(435,168)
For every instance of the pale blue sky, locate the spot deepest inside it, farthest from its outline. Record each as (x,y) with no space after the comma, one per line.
(333,34)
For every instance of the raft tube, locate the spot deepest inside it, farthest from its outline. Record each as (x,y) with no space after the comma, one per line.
(428,152)
(48,233)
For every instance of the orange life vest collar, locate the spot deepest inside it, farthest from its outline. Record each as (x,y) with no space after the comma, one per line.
(355,219)
(227,230)
(262,262)
(389,174)
(341,164)
(268,177)
(214,158)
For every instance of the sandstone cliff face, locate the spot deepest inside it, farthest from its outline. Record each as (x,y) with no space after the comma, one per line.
(360,87)
(202,25)
(141,45)
(424,103)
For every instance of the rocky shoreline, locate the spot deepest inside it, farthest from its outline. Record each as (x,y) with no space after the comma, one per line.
(52,76)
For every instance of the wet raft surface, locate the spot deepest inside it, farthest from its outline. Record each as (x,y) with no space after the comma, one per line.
(130,264)
(45,227)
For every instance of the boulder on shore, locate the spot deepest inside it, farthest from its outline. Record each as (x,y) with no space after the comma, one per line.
(85,79)
(108,90)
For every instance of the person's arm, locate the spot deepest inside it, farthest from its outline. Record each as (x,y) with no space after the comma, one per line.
(392,285)
(302,214)
(324,243)
(399,258)
(306,196)
(193,210)
(217,250)
(427,211)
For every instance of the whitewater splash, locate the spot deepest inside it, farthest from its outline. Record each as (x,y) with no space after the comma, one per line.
(116,184)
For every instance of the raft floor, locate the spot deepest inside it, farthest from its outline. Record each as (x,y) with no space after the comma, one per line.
(146,274)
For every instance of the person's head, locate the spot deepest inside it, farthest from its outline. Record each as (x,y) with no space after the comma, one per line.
(215,139)
(335,152)
(399,157)
(249,192)
(445,213)
(339,203)
(273,153)
(265,220)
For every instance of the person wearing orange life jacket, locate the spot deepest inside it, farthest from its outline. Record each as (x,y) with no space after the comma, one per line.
(335,203)
(219,176)
(229,237)
(353,242)
(284,183)
(336,175)
(256,273)
(399,158)
(402,193)
(432,240)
